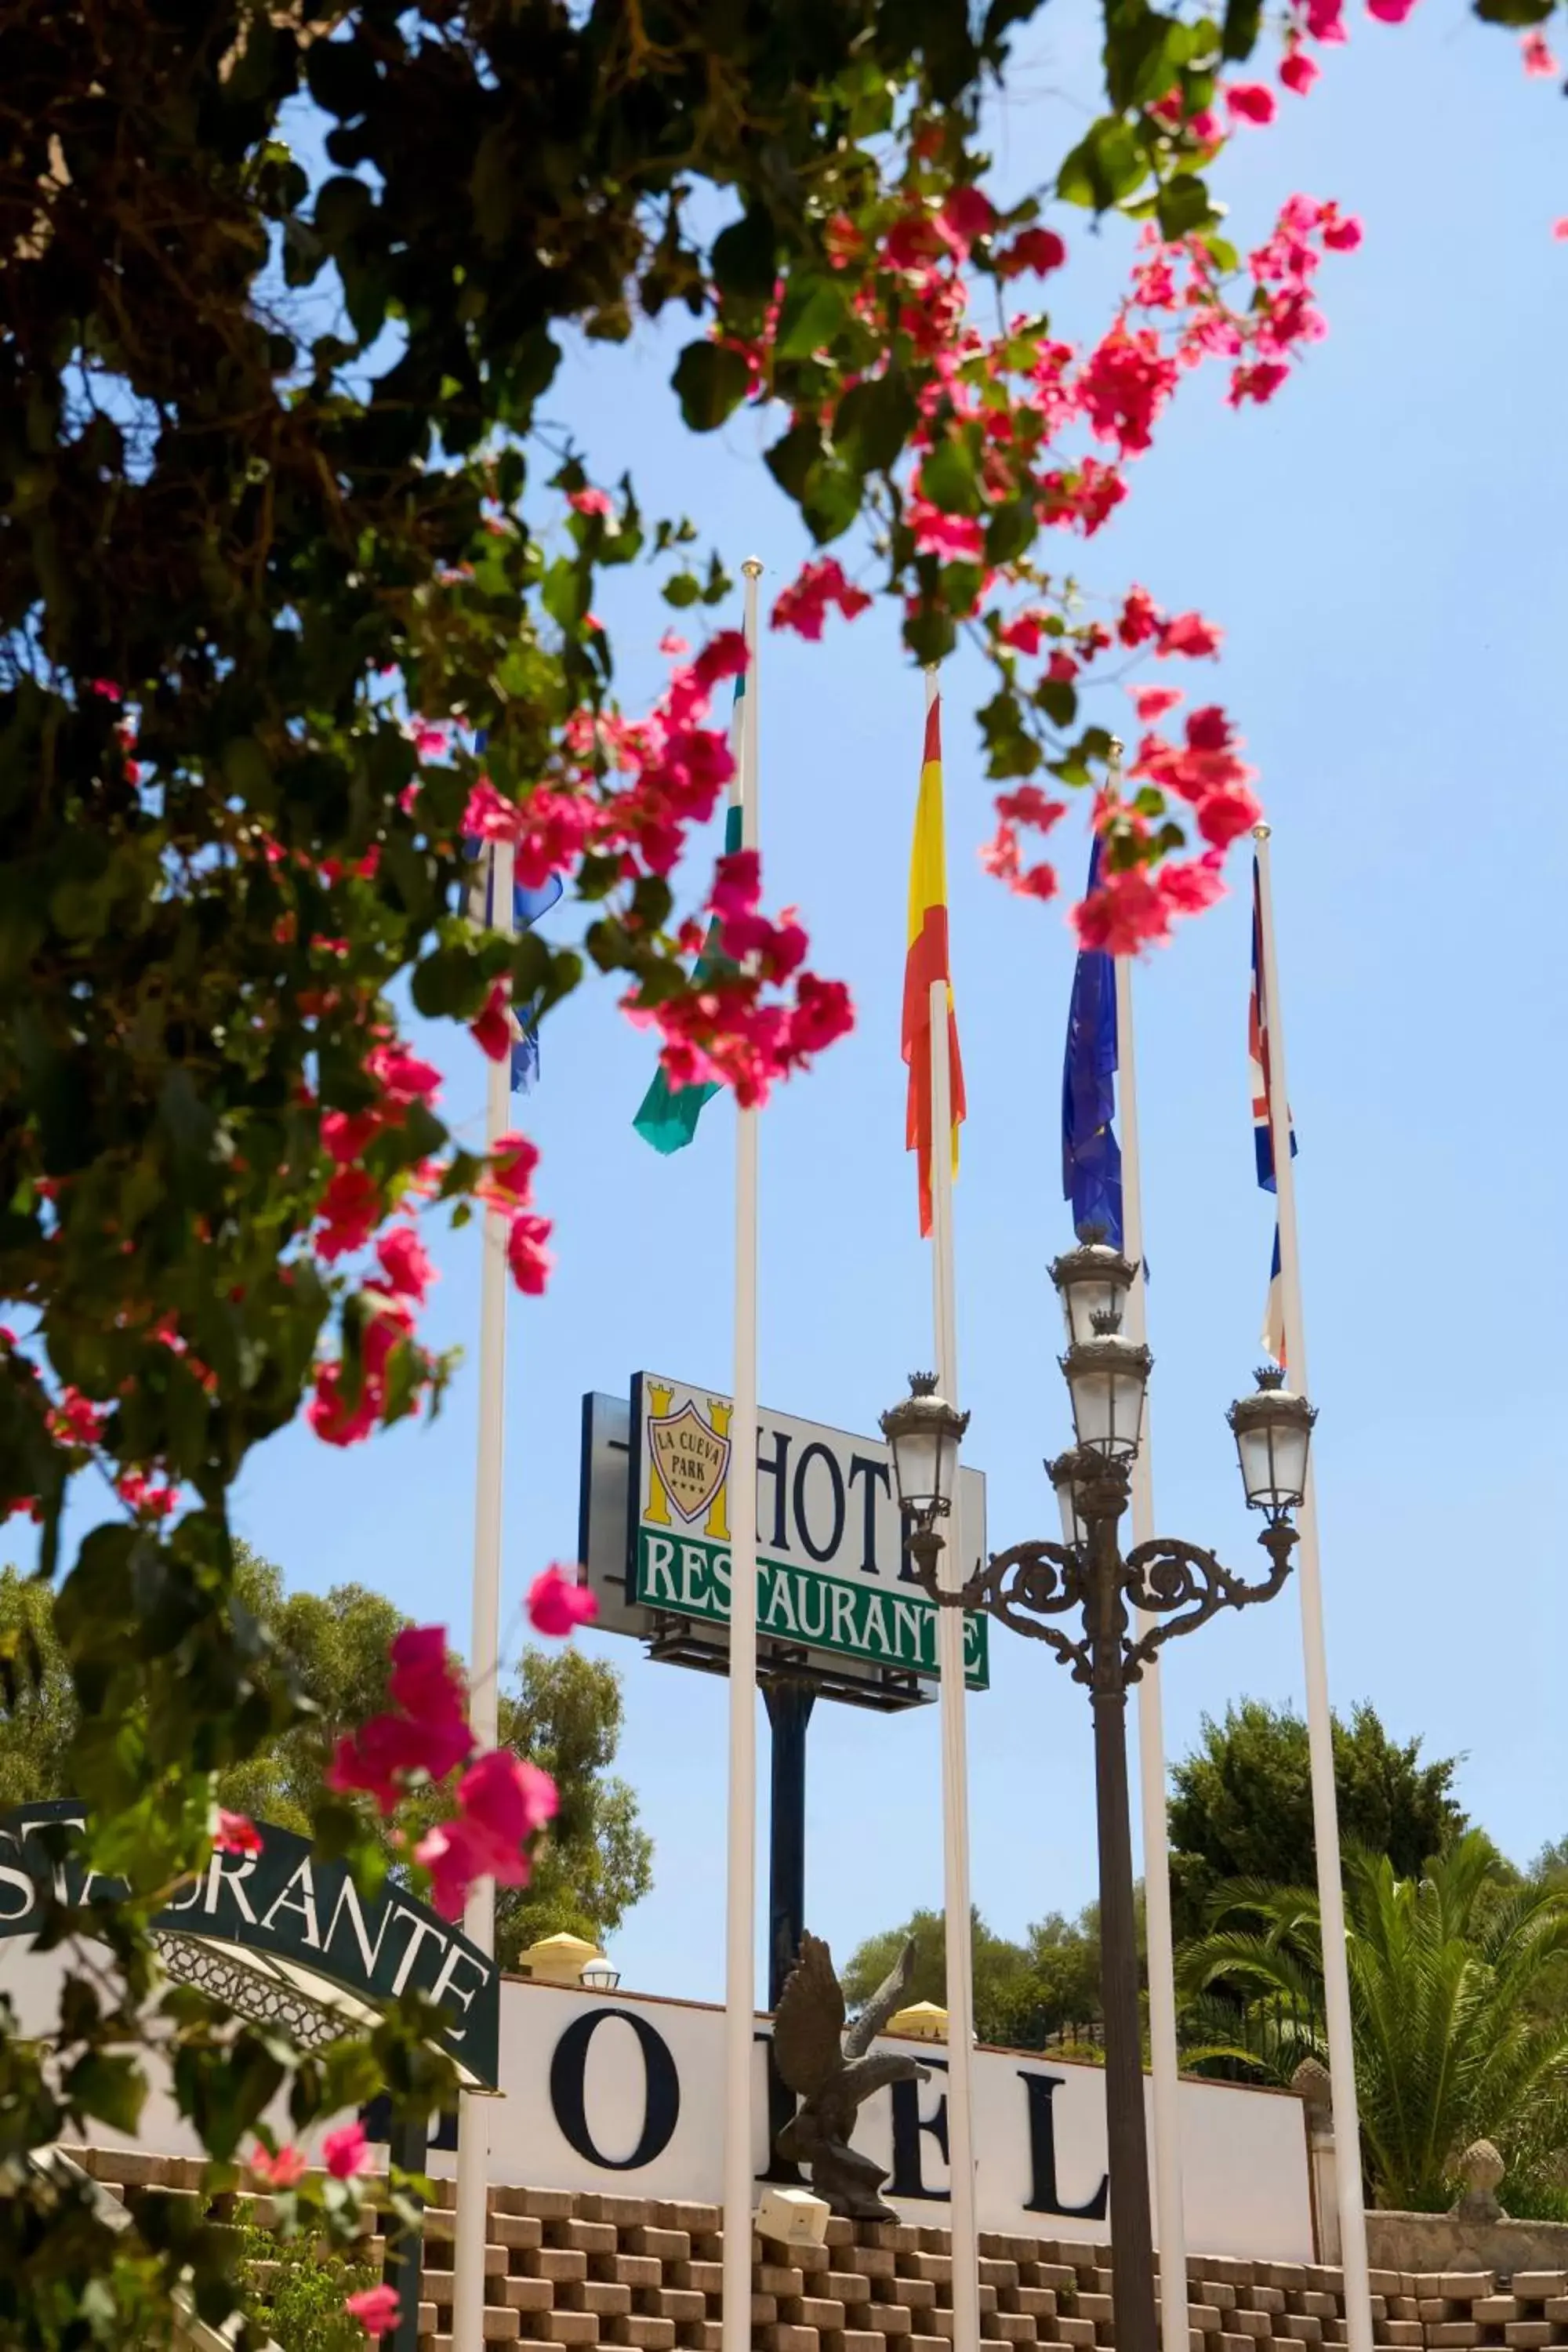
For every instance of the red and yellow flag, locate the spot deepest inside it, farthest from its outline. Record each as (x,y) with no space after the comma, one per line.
(927,962)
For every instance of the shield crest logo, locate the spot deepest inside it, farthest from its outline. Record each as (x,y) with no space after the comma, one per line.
(690,1457)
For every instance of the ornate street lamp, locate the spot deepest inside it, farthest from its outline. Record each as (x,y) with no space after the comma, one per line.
(924,1433)
(1177,1584)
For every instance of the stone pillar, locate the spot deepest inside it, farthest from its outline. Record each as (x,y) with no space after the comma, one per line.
(1311,2085)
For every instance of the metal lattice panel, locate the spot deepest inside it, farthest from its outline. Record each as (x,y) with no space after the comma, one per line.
(265,1999)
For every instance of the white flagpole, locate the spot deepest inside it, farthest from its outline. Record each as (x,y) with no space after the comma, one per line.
(1320,1736)
(960,1951)
(1171,2230)
(740,1986)
(470,2219)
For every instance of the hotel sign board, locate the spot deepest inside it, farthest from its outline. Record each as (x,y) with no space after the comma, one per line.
(837,1594)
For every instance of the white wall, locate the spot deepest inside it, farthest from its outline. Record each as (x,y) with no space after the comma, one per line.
(1245,2151)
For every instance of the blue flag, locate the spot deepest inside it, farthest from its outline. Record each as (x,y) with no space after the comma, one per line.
(1091,1157)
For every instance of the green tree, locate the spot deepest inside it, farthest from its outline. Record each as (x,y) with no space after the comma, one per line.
(1024,1994)
(1000,1966)
(597,1861)
(565,1713)
(1241,1803)
(1445,1967)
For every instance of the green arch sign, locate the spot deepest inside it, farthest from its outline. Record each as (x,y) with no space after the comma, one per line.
(295,1922)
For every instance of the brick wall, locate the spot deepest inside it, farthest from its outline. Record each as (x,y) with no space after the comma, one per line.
(617,2272)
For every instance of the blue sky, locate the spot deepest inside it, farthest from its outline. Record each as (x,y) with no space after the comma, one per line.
(1384,547)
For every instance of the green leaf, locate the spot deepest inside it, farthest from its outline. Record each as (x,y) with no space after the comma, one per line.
(1058,699)
(1513,12)
(948,477)
(710,381)
(813,312)
(742,256)
(792,456)
(1009,531)
(873,421)
(343,205)
(1104,167)
(832,500)
(1183,205)
(449,983)
(1238,34)
(682,588)
(110,2087)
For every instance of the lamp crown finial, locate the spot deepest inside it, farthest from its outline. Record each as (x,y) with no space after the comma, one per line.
(1091,1233)
(1270,1376)
(922,1384)
(1106,1322)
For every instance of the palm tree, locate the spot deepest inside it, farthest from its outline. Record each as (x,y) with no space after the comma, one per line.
(1451,2043)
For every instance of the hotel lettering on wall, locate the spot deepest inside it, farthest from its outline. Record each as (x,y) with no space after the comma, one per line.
(832,1573)
(620,2093)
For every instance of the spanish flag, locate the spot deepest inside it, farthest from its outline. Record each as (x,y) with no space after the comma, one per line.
(926,963)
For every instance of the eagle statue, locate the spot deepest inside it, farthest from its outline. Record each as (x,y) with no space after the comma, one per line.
(832,2069)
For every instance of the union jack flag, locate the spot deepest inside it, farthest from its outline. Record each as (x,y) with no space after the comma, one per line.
(1273,1334)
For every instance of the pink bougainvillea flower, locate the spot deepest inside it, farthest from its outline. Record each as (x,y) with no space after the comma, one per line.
(235,1834)
(1022,633)
(957,539)
(424,1678)
(530,1261)
(405,1262)
(424,1735)
(1038,251)
(375,2308)
(1140,618)
(966,214)
(284,2170)
(1299,71)
(502,1802)
(1560,229)
(1390,11)
(1151,702)
(1325,21)
(591,502)
(1190,635)
(1121,914)
(512,1162)
(557,1603)
(346,2152)
(491,1033)
(76,1421)
(402,1076)
(803,605)
(1536,51)
(1226,813)
(1341,234)
(1249,101)
(150,1496)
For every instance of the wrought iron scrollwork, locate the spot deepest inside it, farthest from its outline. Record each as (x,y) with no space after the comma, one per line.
(1031,1581)
(1187,1586)
(1178,1583)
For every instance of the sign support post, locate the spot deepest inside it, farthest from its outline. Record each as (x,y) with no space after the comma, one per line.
(790,1699)
(404,2269)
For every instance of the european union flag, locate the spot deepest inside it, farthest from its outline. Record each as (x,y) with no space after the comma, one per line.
(1091,1157)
